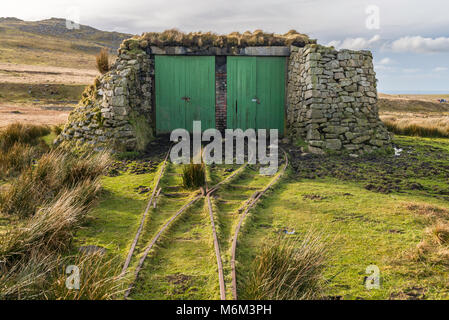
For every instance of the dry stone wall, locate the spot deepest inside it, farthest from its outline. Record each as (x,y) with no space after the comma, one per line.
(332,100)
(116,112)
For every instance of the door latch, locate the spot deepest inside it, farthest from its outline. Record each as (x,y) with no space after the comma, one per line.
(255,99)
(186,99)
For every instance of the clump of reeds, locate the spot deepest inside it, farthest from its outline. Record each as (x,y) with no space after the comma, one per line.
(287,269)
(102,60)
(21,133)
(55,171)
(20,145)
(51,228)
(193,175)
(434,246)
(43,276)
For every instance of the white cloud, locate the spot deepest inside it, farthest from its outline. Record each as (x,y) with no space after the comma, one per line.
(420,44)
(411,70)
(385,61)
(440,69)
(355,43)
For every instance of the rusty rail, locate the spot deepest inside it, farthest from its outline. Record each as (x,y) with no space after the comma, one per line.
(251,202)
(166,225)
(217,251)
(142,221)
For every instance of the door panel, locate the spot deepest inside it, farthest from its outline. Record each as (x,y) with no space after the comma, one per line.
(241,109)
(271,93)
(200,88)
(178,78)
(256,93)
(170,108)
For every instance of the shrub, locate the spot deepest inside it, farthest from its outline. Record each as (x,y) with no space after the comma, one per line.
(287,270)
(193,175)
(102,59)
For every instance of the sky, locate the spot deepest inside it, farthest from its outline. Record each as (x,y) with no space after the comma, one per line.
(409,38)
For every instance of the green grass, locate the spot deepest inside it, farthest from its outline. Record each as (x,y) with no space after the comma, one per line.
(114,222)
(362,227)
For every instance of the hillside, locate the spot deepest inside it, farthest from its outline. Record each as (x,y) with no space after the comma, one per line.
(49,42)
(412,103)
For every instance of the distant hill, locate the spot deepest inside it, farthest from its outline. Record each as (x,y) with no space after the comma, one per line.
(50,42)
(56,27)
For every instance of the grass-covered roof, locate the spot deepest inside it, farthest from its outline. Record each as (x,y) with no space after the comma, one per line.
(173,38)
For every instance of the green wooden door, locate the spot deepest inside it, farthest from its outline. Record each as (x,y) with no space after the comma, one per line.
(256,93)
(241,74)
(185,92)
(270,93)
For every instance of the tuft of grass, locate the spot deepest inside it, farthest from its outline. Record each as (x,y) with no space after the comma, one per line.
(57,129)
(19,157)
(427,210)
(287,269)
(439,233)
(174,37)
(102,60)
(43,277)
(21,133)
(55,171)
(99,279)
(52,227)
(193,175)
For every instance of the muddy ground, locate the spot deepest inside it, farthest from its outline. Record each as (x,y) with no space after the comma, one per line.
(381,172)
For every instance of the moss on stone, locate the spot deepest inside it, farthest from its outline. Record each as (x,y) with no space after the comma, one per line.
(143,131)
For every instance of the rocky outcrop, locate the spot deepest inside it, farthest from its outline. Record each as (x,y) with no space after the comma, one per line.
(332,100)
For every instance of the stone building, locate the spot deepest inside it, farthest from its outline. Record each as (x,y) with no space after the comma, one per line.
(315,95)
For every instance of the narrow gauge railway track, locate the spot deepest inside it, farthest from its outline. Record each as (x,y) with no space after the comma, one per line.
(249,205)
(197,195)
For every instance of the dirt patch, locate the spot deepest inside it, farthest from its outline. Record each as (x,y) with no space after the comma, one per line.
(413,293)
(182,282)
(37,74)
(318,197)
(31,115)
(383,173)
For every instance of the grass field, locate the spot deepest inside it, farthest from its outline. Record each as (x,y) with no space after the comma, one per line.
(363,225)
(387,210)
(415,115)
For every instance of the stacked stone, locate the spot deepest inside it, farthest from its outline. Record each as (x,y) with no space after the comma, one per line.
(332,100)
(122,97)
